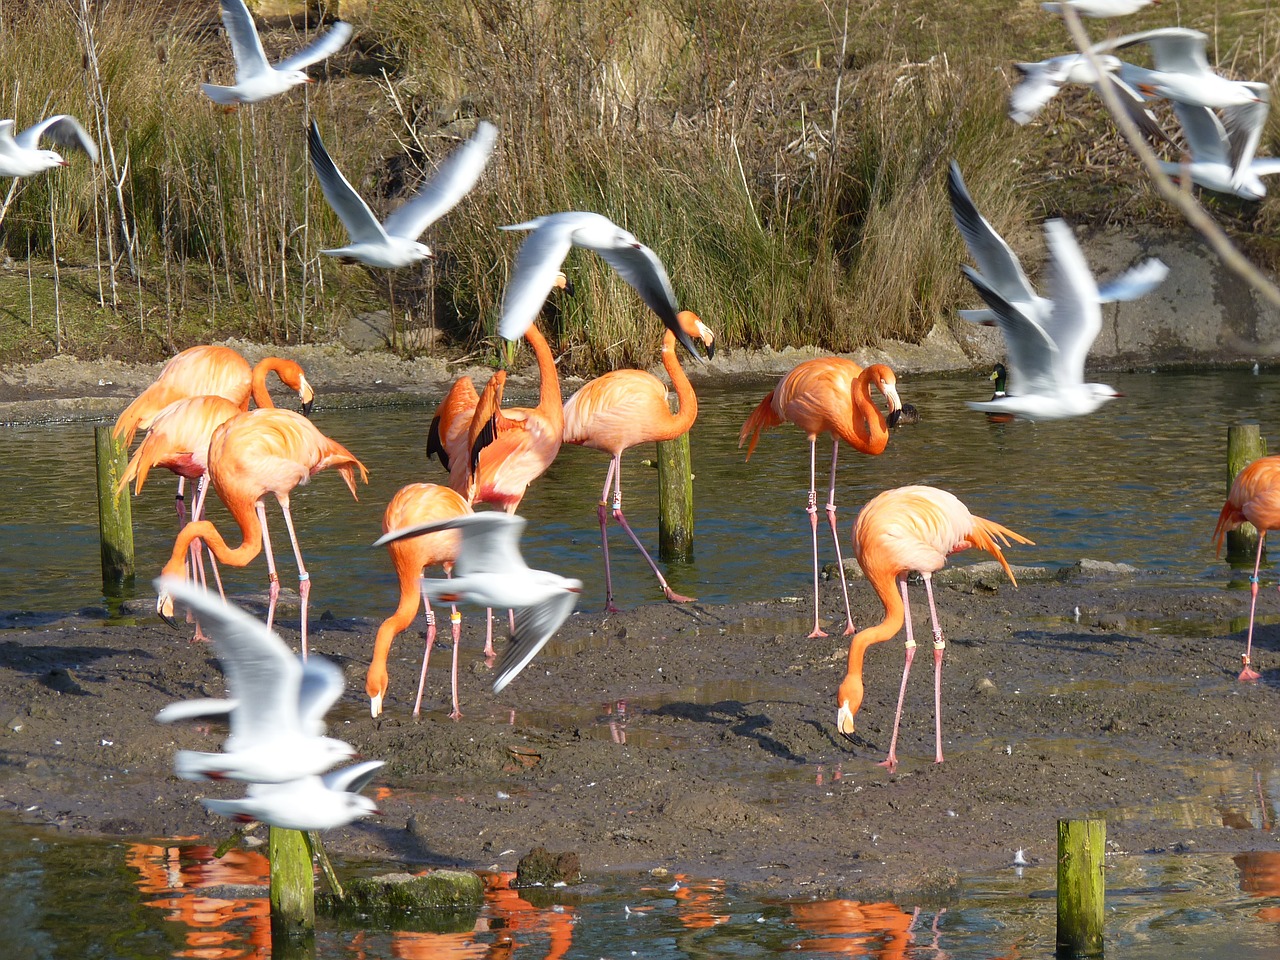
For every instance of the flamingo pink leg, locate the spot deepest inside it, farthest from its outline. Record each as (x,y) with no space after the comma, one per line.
(426,656)
(891,761)
(304,578)
(618,515)
(939,645)
(455,620)
(180,501)
(1248,673)
(812,510)
(273,593)
(835,538)
(602,512)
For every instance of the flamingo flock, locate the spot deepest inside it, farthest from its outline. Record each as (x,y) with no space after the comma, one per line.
(199,425)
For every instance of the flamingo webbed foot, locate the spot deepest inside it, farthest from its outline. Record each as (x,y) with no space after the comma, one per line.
(890,762)
(1248,673)
(677,598)
(817,632)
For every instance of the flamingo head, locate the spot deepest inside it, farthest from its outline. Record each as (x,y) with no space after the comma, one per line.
(692,325)
(849,700)
(886,381)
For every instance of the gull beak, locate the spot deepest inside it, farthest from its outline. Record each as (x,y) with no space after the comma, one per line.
(311,79)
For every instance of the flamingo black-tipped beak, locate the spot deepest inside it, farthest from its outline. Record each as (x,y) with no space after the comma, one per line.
(894,417)
(568,287)
(306,407)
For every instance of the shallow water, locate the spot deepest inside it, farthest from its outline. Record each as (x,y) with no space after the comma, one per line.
(1141,482)
(64,897)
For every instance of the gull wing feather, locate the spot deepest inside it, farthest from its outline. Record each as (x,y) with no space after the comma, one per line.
(490,542)
(537,262)
(1040,83)
(322,47)
(1076,317)
(1176,50)
(354,778)
(1244,125)
(452,181)
(1135,282)
(191,709)
(321,686)
(534,627)
(262,673)
(354,213)
(998,263)
(1206,136)
(246,45)
(1032,355)
(63,129)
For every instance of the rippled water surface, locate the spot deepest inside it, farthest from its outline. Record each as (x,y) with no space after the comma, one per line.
(1140,482)
(62,897)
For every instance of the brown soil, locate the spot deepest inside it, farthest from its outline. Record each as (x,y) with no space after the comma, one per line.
(731,765)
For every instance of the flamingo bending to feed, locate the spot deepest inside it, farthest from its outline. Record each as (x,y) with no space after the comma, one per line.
(251,455)
(1255,498)
(415,504)
(628,407)
(898,531)
(829,395)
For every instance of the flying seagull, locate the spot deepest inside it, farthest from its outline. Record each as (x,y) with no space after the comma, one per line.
(276,706)
(394,242)
(542,254)
(21,156)
(1182,72)
(1002,272)
(308,803)
(256,79)
(1046,355)
(1222,151)
(491,572)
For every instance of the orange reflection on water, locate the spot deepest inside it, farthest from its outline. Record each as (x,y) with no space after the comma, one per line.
(1260,877)
(511,914)
(853,928)
(217,928)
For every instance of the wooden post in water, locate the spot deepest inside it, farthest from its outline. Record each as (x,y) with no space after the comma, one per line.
(1244,445)
(293,888)
(115,518)
(1082,887)
(675,499)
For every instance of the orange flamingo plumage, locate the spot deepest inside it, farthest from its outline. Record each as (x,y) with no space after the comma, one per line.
(415,504)
(829,395)
(1254,498)
(625,408)
(253,454)
(214,371)
(898,531)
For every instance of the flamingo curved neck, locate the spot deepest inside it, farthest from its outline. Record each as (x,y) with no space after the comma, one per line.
(687,399)
(550,402)
(886,587)
(870,428)
(261,396)
(250,543)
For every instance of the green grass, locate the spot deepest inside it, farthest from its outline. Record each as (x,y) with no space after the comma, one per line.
(787,165)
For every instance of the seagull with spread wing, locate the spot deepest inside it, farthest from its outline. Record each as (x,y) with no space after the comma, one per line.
(22,156)
(307,803)
(1003,273)
(491,572)
(276,705)
(542,254)
(256,78)
(1223,151)
(394,242)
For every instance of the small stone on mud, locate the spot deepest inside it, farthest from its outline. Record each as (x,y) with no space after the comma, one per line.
(984,687)
(1113,622)
(63,681)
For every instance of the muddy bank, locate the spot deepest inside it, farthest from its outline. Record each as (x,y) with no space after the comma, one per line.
(702,738)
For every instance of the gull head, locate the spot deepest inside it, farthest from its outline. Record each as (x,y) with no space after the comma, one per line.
(294,77)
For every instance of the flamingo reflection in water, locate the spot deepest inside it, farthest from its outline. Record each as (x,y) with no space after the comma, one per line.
(859,929)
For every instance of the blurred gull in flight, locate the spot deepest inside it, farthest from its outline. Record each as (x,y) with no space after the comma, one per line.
(491,572)
(21,155)
(543,251)
(308,803)
(256,79)
(276,705)
(394,242)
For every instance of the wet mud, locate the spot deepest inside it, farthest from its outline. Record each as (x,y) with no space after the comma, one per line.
(702,739)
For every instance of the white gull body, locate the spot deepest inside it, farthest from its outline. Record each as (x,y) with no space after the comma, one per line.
(1182,72)
(256,78)
(491,572)
(308,803)
(1046,357)
(394,242)
(276,706)
(1223,151)
(542,254)
(22,156)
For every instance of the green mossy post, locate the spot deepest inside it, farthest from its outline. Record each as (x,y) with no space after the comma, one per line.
(1244,445)
(1082,887)
(293,888)
(675,499)
(115,516)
